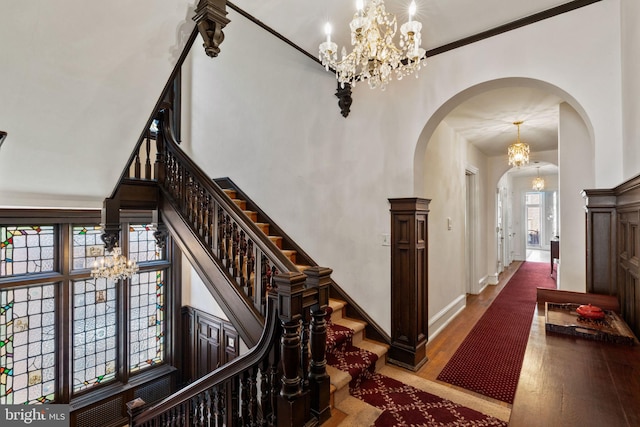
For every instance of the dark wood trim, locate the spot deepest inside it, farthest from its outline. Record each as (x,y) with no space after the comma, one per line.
(514,25)
(528,20)
(272,32)
(409,282)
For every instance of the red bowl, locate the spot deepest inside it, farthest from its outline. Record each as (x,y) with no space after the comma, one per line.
(590,312)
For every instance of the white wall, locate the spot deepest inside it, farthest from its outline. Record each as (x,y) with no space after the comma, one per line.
(445,186)
(73,116)
(267,117)
(573,148)
(630,11)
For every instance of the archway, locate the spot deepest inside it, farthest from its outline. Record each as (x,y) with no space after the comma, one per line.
(576,137)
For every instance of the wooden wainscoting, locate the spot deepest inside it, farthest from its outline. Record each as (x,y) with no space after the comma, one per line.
(208,343)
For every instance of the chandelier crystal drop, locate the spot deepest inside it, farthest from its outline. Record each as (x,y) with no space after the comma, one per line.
(538,183)
(114,266)
(375,57)
(518,152)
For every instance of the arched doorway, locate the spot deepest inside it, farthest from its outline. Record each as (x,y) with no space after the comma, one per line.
(574,152)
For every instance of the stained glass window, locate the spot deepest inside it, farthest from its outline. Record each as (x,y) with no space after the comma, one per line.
(94,333)
(27,345)
(26,249)
(147,321)
(142,244)
(87,246)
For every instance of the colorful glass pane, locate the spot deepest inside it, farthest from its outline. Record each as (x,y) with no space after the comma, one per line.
(87,246)
(147,320)
(27,345)
(142,244)
(94,333)
(26,249)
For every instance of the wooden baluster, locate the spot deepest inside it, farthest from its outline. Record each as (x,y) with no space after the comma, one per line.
(249,262)
(228,240)
(136,165)
(206,221)
(304,347)
(208,405)
(253,396)
(218,409)
(201,213)
(274,375)
(265,277)
(234,250)
(147,164)
(221,233)
(265,392)
(213,226)
(242,244)
(292,410)
(319,381)
(244,399)
(234,408)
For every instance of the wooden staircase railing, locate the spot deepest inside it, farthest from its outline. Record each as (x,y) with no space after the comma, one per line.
(282,381)
(250,258)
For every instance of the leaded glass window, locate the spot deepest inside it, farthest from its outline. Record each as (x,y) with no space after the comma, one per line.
(142,244)
(87,246)
(147,321)
(26,249)
(27,345)
(94,333)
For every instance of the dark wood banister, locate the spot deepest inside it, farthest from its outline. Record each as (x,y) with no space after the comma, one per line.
(283,263)
(224,373)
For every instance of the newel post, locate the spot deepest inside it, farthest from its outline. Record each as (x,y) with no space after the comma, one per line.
(211,18)
(292,401)
(319,381)
(409,282)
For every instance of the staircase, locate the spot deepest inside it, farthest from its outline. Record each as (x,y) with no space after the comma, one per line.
(338,323)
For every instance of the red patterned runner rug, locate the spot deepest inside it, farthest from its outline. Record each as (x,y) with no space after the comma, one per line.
(402,404)
(489,359)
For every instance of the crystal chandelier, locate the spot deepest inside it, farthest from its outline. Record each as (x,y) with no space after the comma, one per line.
(518,152)
(114,266)
(375,56)
(538,183)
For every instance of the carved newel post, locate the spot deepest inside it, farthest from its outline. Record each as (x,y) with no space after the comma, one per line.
(319,380)
(409,284)
(293,402)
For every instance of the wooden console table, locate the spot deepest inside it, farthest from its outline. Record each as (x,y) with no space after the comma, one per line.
(569,381)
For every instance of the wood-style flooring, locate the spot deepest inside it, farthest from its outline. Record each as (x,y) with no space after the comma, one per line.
(442,347)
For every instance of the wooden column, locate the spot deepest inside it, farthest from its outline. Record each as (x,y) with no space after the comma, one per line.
(409,282)
(293,401)
(601,218)
(319,381)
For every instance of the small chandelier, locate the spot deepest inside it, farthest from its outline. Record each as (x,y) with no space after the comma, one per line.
(518,152)
(114,267)
(538,183)
(375,56)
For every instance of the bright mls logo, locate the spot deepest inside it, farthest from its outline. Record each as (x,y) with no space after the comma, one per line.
(34,415)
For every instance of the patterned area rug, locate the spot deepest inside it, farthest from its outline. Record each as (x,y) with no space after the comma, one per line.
(402,405)
(489,359)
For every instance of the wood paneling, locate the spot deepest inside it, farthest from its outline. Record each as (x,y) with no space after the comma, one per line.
(409,287)
(209,342)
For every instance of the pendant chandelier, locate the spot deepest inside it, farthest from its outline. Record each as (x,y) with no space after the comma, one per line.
(518,152)
(114,266)
(538,183)
(375,56)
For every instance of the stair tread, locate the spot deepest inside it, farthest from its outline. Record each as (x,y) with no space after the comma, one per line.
(339,378)
(355,325)
(336,304)
(375,347)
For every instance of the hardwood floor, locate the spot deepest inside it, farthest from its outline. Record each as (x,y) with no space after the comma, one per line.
(442,347)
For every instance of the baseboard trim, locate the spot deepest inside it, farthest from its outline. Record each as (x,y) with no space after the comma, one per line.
(446,315)
(482,284)
(493,279)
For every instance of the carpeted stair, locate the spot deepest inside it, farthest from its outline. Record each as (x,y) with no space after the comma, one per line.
(354,364)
